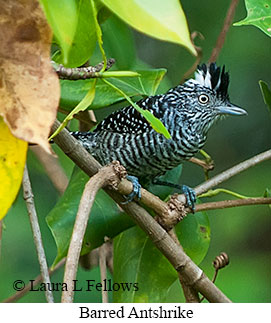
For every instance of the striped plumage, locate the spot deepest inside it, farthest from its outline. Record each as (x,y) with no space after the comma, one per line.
(187,111)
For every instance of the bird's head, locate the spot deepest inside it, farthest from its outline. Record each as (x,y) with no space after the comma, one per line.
(206,96)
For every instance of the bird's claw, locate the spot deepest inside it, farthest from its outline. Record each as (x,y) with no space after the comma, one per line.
(136,192)
(190,196)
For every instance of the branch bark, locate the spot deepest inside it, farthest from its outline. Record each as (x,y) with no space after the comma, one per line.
(232,203)
(81,73)
(105,176)
(102,265)
(29,200)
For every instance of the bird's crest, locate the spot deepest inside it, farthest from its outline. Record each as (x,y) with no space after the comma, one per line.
(213,77)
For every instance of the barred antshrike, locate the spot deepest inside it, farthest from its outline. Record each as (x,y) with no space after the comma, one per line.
(187,111)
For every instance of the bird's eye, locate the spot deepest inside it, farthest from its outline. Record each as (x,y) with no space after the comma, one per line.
(203,98)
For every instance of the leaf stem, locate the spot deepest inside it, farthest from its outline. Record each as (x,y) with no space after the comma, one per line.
(215,192)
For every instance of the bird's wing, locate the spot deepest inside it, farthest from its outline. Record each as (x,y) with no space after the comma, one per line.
(129,120)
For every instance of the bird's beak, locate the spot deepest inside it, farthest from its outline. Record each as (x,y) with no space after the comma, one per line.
(231,109)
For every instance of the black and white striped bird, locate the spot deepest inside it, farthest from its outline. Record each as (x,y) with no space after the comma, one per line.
(187,111)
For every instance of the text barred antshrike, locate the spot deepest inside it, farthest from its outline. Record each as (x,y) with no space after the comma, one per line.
(187,111)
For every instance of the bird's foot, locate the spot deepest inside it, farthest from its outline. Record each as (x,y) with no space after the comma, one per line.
(190,196)
(136,192)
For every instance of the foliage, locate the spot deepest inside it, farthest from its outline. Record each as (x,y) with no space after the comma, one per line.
(88,32)
(12,160)
(266,94)
(258,14)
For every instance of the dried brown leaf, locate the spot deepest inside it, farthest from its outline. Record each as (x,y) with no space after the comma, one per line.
(29,88)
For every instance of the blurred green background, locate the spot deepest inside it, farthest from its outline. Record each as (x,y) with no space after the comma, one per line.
(244,233)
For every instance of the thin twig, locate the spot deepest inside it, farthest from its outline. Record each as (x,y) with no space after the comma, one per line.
(29,200)
(102,265)
(207,166)
(222,36)
(81,73)
(18,295)
(103,177)
(232,203)
(53,168)
(180,261)
(224,176)
(191,70)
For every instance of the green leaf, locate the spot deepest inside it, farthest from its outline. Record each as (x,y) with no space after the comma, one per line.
(194,234)
(161,19)
(258,14)
(85,38)
(117,35)
(267,193)
(81,106)
(266,92)
(63,18)
(72,92)
(137,260)
(105,219)
(98,31)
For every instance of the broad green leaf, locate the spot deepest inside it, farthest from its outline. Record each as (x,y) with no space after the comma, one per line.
(117,35)
(98,31)
(82,106)
(85,38)
(161,19)
(63,18)
(194,234)
(137,260)
(266,92)
(105,219)
(72,92)
(258,14)
(12,161)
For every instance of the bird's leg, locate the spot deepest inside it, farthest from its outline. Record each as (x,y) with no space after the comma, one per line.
(136,189)
(189,193)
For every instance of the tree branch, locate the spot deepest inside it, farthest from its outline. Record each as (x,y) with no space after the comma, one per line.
(222,36)
(29,200)
(105,176)
(193,275)
(81,73)
(232,203)
(102,265)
